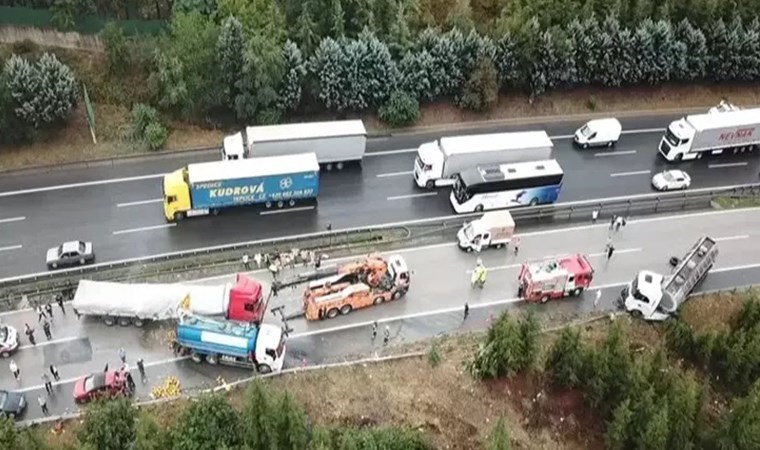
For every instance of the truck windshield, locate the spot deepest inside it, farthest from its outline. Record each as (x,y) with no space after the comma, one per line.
(460,190)
(422,166)
(636,293)
(671,138)
(585,131)
(468,232)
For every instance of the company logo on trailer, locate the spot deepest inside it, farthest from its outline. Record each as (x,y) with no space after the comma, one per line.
(286,183)
(738,134)
(252,189)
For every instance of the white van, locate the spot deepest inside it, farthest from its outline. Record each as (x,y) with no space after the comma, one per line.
(598,133)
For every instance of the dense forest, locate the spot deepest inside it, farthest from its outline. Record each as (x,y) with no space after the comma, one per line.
(231,62)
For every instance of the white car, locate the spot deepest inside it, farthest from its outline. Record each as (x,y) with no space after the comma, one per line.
(669,180)
(69,254)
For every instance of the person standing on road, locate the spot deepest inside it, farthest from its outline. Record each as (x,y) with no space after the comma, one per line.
(466,310)
(257,260)
(48,383)
(386,335)
(246,263)
(54,372)
(598,296)
(15,371)
(610,251)
(516,244)
(612,221)
(49,311)
(29,331)
(46,329)
(123,355)
(374,330)
(40,313)
(43,404)
(59,300)
(141,368)
(594,215)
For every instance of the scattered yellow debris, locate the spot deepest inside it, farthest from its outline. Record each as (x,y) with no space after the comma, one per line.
(169,388)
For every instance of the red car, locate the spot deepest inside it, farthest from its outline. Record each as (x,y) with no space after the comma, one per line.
(99,384)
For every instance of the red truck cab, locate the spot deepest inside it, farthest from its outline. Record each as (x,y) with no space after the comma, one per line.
(246,302)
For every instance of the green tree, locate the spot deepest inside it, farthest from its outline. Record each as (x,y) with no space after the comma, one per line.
(8,433)
(117,49)
(43,93)
(15,131)
(295,71)
(63,14)
(262,17)
(481,92)
(149,436)
(655,436)
(399,34)
(348,440)
(263,72)
(684,408)
(305,32)
(401,110)
(740,427)
(208,423)
(258,420)
(230,49)
(617,436)
(205,7)
(320,439)
(565,360)
(108,425)
(291,425)
(168,83)
(415,72)
(336,19)
(507,62)
(498,438)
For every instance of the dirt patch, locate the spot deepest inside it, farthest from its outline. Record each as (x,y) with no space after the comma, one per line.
(713,313)
(73,144)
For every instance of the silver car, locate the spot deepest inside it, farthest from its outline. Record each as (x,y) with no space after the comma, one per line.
(70,253)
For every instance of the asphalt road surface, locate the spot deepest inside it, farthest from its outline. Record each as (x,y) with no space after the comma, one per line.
(119,208)
(434,305)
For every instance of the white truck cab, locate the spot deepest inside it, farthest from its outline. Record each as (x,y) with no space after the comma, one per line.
(493,229)
(643,296)
(428,166)
(270,348)
(233,147)
(598,133)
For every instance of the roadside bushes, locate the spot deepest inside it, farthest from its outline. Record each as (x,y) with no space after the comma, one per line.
(511,346)
(147,127)
(400,110)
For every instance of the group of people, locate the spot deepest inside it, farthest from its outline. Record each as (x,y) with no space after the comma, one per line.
(276,261)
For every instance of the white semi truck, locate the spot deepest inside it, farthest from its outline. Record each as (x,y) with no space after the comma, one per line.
(725,129)
(335,143)
(655,297)
(439,162)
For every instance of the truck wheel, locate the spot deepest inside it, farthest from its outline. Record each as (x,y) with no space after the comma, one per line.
(611,144)
(54,265)
(291,203)
(479,208)
(109,320)
(577,292)
(178,216)
(584,146)
(268,204)
(125,321)
(280,204)
(264,368)
(679,157)
(345,309)
(332,313)
(637,314)
(430,184)
(212,359)
(214,212)
(328,166)
(340,166)
(397,295)
(379,299)
(544,299)
(82,261)
(196,358)
(533,201)
(138,322)
(5,354)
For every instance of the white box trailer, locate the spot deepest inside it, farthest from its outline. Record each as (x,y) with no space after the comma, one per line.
(438,162)
(492,229)
(726,129)
(335,143)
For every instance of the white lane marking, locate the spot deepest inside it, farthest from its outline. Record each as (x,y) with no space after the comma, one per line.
(11,247)
(83,184)
(289,210)
(731,238)
(720,166)
(643,131)
(154,227)
(590,255)
(401,197)
(626,152)
(52,341)
(391,152)
(394,174)
(625,174)
(13,219)
(562,136)
(141,202)
(729,269)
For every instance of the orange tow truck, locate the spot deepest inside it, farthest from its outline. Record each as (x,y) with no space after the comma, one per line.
(341,289)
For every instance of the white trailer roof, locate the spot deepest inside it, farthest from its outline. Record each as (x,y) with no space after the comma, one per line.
(495,142)
(308,130)
(233,145)
(727,119)
(494,219)
(252,167)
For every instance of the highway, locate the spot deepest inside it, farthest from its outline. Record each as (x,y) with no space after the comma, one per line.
(434,305)
(119,207)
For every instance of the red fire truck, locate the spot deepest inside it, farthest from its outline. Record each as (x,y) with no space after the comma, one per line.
(554,278)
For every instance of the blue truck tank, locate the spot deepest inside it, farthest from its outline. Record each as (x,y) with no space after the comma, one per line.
(205,335)
(220,184)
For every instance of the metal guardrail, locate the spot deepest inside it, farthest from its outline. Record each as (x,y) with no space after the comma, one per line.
(548,214)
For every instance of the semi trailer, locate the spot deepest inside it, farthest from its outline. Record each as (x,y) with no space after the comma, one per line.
(208,188)
(438,163)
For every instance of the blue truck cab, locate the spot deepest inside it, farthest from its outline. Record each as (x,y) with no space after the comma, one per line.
(261,346)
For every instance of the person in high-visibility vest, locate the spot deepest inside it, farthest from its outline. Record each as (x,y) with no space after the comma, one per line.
(479,274)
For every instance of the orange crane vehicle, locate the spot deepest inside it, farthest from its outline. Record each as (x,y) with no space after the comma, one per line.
(343,288)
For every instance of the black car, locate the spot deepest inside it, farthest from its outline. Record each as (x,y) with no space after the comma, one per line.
(12,404)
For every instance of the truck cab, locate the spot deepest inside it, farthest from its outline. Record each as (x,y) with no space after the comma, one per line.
(643,295)
(493,229)
(676,142)
(176,193)
(233,147)
(428,166)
